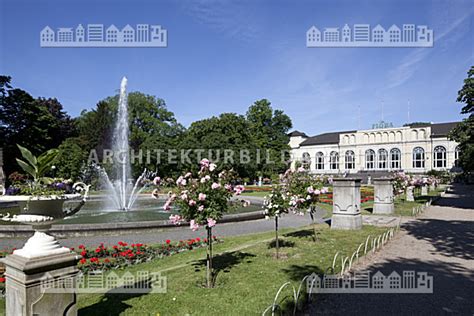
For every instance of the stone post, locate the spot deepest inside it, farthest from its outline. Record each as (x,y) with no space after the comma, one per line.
(41,285)
(383,196)
(424,189)
(346,204)
(410,197)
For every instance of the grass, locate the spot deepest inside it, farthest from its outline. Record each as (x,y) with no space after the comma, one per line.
(248,276)
(256,193)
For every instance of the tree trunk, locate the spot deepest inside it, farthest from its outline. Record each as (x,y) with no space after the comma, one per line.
(277,245)
(315,231)
(209,258)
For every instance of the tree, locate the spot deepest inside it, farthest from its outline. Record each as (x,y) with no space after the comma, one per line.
(70,160)
(228,132)
(152,127)
(38,124)
(270,132)
(464,131)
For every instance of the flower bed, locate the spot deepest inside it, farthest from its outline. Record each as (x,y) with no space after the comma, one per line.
(123,255)
(250,189)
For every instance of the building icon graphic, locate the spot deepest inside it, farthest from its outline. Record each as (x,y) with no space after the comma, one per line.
(97,35)
(362,35)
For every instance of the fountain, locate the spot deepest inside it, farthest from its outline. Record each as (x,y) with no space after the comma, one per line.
(122,191)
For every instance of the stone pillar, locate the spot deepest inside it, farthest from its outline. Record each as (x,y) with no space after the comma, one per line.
(424,189)
(41,285)
(410,197)
(383,196)
(346,204)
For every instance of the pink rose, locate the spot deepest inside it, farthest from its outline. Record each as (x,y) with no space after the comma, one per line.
(193,225)
(202,197)
(211,222)
(201,208)
(204,163)
(191,203)
(215,186)
(212,167)
(175,219)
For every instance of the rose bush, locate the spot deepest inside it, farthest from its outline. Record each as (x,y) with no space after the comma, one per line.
(202,199)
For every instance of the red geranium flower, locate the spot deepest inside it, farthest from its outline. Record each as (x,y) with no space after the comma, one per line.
(83,261)
(83,253)
(81,247)
(168,241)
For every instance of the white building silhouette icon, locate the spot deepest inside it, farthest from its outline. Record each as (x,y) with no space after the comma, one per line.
(98,35)
(362,35)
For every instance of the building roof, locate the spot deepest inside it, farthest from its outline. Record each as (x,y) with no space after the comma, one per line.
(442,129)
(323,139)
(297,133)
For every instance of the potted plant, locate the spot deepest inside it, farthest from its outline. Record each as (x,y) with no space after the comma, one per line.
(41,202)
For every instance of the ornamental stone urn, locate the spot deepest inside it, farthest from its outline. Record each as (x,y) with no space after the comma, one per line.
(42,260)
(346,204)
(383,196)
(409,195)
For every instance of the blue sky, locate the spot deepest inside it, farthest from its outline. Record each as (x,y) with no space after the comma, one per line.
(224,55)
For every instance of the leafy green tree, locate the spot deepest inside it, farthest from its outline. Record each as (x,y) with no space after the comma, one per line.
(152,128)
(38,124)
(270,131)
(464,132)
(70,160)
(227,136)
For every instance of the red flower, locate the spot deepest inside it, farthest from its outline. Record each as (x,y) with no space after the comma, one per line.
(81,247)
(83,261)
(83,253)
(106,260)
(168,241)
(72,249)
(97,250)
(131,255)
(123,244)
(2,280)
(94,259)
(115,247)
(198,239)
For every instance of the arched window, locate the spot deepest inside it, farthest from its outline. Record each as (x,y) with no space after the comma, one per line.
(382,158)
(439,157)
(333,160)
(369,159)
(349,160)
(456,156)
(306,161)
(418,157)
(395,159)
(319,161)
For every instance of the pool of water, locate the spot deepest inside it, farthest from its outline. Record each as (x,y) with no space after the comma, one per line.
(144,209)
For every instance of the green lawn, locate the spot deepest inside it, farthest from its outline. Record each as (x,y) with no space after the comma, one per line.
(248,276)
(256,193)
(247,280)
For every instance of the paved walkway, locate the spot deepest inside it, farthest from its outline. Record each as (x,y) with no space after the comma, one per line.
(441,243)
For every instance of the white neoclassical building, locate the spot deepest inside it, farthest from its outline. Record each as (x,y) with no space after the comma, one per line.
(413,149)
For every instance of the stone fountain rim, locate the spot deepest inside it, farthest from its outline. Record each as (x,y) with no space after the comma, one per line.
(25,198)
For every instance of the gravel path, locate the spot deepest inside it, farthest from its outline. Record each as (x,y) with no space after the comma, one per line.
(440,242)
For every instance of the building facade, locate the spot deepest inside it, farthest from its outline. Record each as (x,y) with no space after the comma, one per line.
(413,149)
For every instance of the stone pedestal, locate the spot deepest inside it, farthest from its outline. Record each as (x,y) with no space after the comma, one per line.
(410,197)
(346,204)
(383,196)
(41,285)
(424,189)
